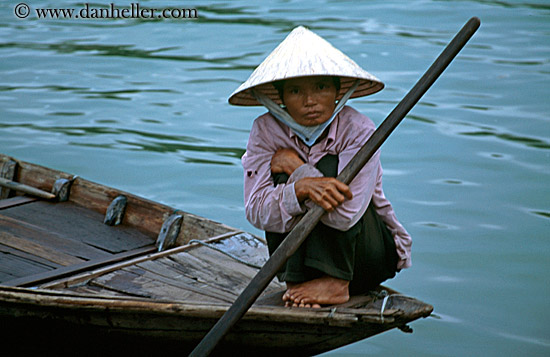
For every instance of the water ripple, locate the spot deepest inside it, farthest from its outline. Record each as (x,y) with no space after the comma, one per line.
(127,51)
(485,131)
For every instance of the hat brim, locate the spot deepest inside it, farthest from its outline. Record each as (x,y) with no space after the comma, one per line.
(245,97)
(301,54)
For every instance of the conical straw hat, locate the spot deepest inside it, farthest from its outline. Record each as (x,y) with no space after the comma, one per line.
(304,53)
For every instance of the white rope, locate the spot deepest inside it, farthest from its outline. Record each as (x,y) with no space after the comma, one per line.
(383,307)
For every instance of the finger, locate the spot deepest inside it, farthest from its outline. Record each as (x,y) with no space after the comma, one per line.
(325,204)
(330,198)
(344,189)
(335,196)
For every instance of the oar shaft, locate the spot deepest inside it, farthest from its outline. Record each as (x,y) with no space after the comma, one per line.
(12,185)
(295,238)
(409,101)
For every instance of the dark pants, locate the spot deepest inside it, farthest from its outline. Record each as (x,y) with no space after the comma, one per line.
(365,254)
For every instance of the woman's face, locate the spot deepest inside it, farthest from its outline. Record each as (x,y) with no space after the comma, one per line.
(310,100)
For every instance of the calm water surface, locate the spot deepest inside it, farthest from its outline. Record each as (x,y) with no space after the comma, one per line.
(142,105)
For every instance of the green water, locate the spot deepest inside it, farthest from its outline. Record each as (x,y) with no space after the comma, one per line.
(141,105)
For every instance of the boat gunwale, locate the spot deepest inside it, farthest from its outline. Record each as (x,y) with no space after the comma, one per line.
(97,197)
(334,316)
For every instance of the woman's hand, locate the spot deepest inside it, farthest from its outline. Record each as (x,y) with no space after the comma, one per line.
(327,192)
(285,161)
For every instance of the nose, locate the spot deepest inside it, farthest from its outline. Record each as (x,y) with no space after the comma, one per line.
(309,98)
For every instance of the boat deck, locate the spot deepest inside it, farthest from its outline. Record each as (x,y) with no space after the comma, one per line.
(43,242)
(215,271)
(38,237)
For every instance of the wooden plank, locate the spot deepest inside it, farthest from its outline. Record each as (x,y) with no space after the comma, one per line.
(235,272)
(218,270)
(142,214)
(246,247)
(40,235)
(60,273)
(167,274)
(26,256)
(73,222)
(16,201)
(147,216)
(94,290)
(207,279)
(79,278)
(39,250)
(197,292)
(199,270)
(12,266)
(138,282)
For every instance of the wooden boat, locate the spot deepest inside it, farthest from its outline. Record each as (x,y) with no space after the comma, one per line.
(78,273)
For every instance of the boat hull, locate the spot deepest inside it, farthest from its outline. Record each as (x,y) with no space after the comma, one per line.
(69,322)
(72,279)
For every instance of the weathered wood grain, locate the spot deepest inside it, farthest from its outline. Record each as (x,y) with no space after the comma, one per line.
(26,229)
(138,282)
(15,201)
(79,278)
(39,250)
(6,250)
(61,272)
(167,272)
(13,266)
(73,222)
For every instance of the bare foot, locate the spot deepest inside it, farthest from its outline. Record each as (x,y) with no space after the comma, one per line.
(314,293)
(289,286)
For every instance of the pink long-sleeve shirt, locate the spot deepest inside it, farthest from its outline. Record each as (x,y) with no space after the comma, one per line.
(276,208)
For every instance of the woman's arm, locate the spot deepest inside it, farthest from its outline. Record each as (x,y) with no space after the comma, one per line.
(267,207)
(327,192)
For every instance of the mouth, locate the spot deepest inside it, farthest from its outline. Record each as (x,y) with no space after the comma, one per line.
(312,115)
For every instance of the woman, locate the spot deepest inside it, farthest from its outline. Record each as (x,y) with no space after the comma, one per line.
(294,153)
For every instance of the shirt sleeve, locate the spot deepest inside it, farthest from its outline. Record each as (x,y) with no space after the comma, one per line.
(270,208)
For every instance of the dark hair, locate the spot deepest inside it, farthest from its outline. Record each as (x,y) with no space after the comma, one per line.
(279,85)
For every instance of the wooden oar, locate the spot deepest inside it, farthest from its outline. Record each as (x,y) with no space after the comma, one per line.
(295,238)
(12,185)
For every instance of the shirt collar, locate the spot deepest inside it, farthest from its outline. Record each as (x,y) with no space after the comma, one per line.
(332,129)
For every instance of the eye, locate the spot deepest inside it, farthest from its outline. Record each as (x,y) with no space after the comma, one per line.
(294,90)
